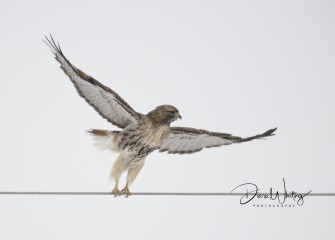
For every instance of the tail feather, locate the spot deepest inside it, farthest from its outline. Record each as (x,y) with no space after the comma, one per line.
(99,132)
(104,139)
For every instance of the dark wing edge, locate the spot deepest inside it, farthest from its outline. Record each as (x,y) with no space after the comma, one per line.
(60,57)
(268,133)
(183,140)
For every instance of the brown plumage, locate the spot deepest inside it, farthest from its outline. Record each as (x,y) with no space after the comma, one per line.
(141,134)
(99,132)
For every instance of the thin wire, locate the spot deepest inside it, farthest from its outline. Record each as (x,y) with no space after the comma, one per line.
(156,194)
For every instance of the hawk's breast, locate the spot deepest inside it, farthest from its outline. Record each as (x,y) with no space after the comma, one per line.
(144,139)
(155,136)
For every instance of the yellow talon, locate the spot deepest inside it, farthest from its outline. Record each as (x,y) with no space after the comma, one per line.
(125,191)
(116,191)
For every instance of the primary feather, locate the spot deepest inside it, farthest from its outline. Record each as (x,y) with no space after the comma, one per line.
(103,99)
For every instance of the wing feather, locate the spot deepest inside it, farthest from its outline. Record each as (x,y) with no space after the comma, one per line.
(189,140)
(103,99)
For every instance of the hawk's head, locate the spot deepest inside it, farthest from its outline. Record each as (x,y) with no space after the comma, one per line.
(164,114)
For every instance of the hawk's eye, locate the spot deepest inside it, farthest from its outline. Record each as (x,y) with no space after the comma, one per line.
(172,112)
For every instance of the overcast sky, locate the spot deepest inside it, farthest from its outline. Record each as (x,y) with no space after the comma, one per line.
(239,67)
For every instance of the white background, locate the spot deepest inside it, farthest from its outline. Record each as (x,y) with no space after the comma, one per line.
(233,66)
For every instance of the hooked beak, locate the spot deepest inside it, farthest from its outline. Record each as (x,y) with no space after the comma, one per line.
(179,116)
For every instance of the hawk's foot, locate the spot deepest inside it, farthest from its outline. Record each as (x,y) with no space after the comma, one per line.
(125,191)
(116,192)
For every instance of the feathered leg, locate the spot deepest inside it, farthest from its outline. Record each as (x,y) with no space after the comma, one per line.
(117,170)
(133,170)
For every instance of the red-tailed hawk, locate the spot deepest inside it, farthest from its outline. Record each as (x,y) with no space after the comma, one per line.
(141,134)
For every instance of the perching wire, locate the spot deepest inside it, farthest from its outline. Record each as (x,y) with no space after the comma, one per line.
(153,193)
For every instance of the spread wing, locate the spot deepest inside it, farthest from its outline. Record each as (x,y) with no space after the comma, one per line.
(189,140)
(103,99)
